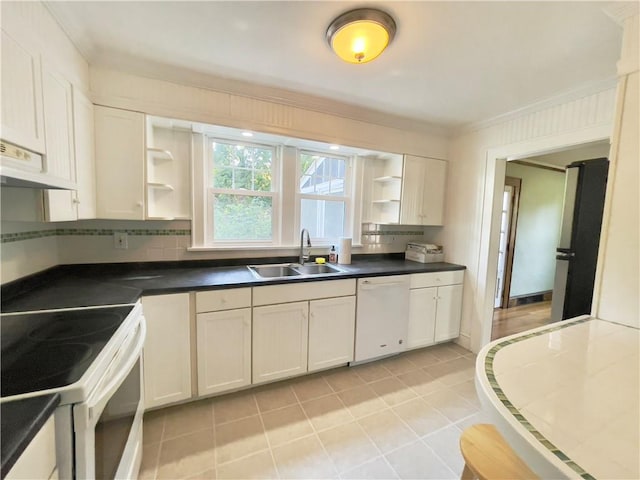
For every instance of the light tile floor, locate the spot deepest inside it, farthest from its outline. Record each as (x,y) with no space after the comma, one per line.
(395,418)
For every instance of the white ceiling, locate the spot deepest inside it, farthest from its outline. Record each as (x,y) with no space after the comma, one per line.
(451,63)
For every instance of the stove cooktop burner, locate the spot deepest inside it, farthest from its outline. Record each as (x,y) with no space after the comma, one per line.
(51,349)
(74,328)
(48,366)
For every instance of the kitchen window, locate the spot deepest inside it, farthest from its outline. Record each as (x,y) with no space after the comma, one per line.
(260,193)
(324,196)
(242,199)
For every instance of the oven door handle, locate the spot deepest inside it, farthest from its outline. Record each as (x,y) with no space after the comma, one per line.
(125,367)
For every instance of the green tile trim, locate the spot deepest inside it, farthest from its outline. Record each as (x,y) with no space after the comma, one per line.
(393,232)
(19,236)
(58,232)
(493,382)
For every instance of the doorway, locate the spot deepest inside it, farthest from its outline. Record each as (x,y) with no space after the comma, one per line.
(508,225)
(529,232)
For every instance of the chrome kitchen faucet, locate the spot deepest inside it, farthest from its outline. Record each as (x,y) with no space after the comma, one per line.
(304,257)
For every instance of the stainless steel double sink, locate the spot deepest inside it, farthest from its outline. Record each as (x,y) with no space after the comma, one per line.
(292,270)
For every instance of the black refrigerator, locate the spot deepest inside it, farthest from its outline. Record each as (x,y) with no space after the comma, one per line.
(577,252)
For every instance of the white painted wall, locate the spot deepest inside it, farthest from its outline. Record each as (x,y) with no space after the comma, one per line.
(35,28)
(617,282)
(194,103)
(32,24)
(476,179)
(538,228)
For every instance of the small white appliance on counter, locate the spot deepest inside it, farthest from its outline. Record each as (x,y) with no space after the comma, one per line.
(424,253)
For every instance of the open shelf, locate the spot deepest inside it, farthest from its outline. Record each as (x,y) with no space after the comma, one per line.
(387,178)
(159,153)
(160,186)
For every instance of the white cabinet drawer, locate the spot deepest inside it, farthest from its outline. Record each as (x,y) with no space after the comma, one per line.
(228,299)
(295,292)
(435,279)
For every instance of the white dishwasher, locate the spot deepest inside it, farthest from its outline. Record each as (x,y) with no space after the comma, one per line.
(382,319)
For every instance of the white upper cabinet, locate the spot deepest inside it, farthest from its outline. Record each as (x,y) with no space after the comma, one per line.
(408,191)
(22,112)
(84,148)
(58,123)
(423,189)
(120,153)
(66,205)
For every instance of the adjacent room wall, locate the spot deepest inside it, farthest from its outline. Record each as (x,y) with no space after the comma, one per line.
(538,229)
(467,235)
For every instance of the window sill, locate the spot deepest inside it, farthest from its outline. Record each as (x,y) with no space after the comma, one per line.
(244,248)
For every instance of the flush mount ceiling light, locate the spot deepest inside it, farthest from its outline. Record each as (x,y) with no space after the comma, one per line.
(359,36)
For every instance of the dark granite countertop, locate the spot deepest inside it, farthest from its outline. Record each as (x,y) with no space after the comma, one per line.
(21,420)
(69,286)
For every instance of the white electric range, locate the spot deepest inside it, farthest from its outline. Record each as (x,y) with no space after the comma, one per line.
(92,357)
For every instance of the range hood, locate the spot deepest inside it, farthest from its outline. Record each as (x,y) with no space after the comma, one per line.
(25,169)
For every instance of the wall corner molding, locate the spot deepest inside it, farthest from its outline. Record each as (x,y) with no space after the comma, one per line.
(620,11)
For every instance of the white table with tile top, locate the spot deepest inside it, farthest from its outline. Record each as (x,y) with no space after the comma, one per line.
(566,396)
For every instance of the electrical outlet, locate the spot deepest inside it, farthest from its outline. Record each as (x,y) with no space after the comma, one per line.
(120,240)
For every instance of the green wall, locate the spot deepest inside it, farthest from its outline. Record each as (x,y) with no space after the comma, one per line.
(539,219)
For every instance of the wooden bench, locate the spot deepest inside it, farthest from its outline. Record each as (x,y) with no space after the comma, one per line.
(488,456)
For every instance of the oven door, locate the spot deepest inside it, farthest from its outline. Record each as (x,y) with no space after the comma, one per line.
(108,426)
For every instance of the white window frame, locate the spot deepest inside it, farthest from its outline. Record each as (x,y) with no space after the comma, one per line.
(210,192)
(347,198)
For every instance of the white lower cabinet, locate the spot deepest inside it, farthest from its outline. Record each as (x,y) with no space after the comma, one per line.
(39,458)
(449,311)
(223,330)
(167,349)
(331,332)
(302,327)
(435,307)
(422,317)
(224,350)
(256,335)
(280,339)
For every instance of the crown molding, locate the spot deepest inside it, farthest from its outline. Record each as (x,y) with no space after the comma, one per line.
(620,11)
(261,92)
(571,95)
